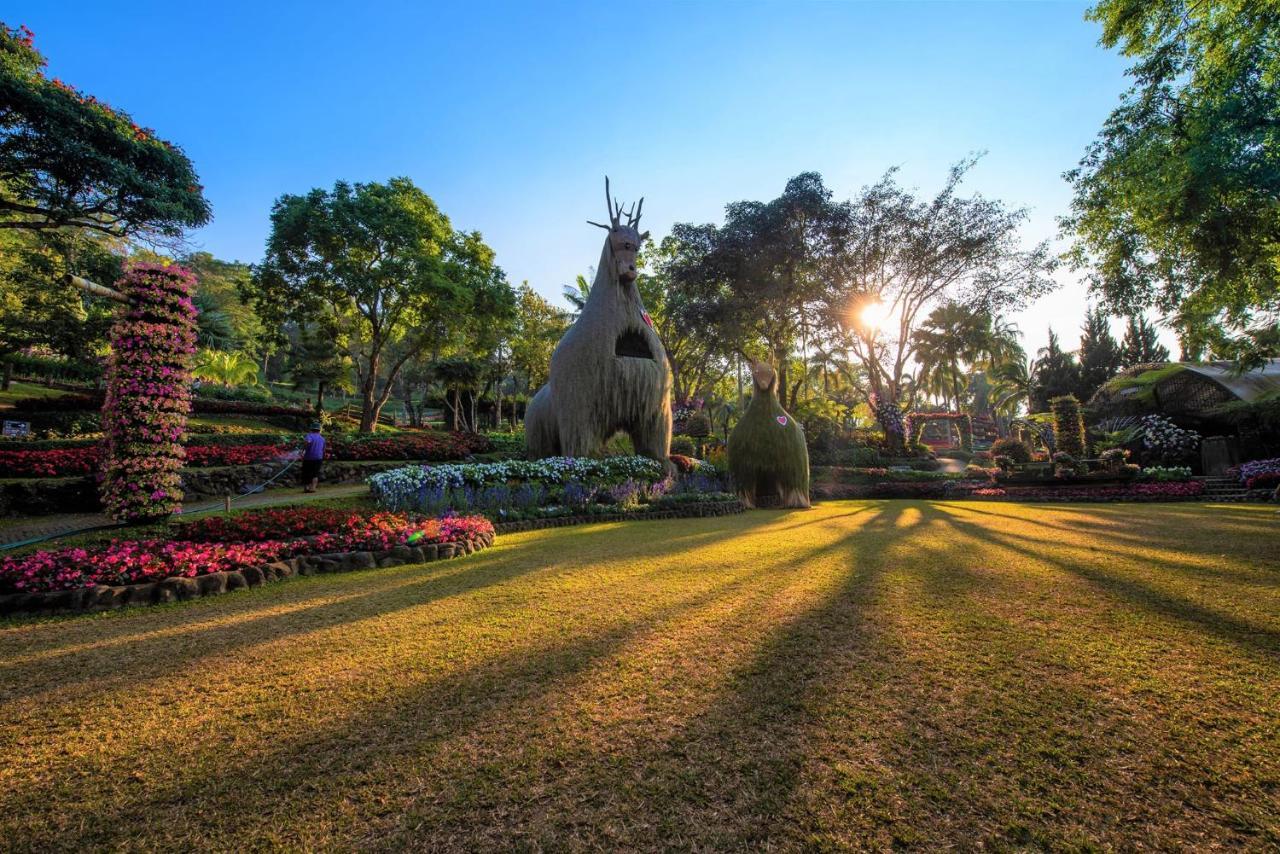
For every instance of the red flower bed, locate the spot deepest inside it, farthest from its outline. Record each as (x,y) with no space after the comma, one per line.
(1270,480)
(428,447)
(254,539)
(200,456)
(63,462)
(1156,490)
(432,447)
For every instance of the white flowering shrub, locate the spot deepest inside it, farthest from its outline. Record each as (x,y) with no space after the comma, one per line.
(1165,441)
(422,487)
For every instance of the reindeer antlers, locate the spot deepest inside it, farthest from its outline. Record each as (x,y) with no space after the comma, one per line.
(615,211)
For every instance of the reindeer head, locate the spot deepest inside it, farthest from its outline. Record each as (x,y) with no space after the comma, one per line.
(624,239)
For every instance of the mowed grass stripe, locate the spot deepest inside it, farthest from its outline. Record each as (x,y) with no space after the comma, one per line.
(862,674)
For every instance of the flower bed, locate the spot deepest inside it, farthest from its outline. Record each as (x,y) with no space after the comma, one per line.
(86,459)
(62,462)
(221,545)
(414,487)
(1260,474)
(1157,491)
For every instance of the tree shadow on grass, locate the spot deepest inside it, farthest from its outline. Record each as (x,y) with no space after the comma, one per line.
(722,781)
(421,716)
(392,590)
(1139,593)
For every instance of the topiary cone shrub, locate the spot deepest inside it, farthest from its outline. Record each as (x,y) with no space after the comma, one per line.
(1068,425)
(767,454)
(148,393)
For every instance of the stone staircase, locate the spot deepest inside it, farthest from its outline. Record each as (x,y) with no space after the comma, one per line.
(1223,489)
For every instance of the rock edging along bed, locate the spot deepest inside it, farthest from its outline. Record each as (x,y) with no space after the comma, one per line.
(694,509)
(176,589)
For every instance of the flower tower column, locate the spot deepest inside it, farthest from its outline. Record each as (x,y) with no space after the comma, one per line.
(148,393)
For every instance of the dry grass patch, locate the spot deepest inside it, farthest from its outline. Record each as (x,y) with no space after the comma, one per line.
(865,674)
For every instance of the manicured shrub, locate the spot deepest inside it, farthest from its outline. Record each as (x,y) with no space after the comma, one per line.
(1015,449)
(698,425)
(1166,474)
(768,457)
(1113,459)
(148,393)
(682,446)
(1068,426)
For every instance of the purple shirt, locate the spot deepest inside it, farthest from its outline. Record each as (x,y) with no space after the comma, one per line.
(315,447)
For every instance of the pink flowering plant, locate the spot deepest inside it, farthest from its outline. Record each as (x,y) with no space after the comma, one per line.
(148,397)
(222,544)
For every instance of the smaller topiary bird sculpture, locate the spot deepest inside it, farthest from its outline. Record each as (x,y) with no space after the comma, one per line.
(767,455)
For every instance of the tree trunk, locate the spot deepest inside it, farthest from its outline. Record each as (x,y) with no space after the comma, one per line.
(8,375)
(370,405)
(320,386)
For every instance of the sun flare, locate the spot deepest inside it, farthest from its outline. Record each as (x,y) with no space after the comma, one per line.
(874,316)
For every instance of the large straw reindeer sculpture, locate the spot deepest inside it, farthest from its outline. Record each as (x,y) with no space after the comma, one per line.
(609,373)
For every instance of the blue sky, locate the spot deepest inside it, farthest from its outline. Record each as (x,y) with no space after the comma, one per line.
(510,114)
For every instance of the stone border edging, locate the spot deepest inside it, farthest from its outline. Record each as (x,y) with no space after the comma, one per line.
(698,509)
(177,589)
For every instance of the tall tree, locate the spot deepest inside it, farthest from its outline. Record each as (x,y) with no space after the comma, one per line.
(1100,356)
(1141,344)
(951,337)
(1177,202)
(696,351)
(755,277)
(1055,374)
(385,259)
(894,256)
(538,328)
(67,160)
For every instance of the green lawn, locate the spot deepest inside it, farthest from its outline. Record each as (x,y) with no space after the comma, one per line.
(864,674)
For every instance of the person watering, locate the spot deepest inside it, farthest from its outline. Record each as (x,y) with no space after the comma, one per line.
(312,458)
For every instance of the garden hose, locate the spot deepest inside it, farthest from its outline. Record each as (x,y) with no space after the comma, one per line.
(116,525)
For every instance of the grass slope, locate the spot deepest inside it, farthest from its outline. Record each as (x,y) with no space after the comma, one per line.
(864,674)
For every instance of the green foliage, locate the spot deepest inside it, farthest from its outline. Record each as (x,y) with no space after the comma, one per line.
(1141,345)
(682,445)
(1176,202)
(1100,356)
(1068,426)
(226,369)
(1055,374)
(383,263)
(67,160)
(538,327)
(1017,451)
(698,425)
(767,453)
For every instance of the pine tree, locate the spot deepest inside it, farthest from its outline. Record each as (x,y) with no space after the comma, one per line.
(1055,374)
(1100,355)
(1141,343)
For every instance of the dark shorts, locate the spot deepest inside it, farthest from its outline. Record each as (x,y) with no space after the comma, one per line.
(310,470)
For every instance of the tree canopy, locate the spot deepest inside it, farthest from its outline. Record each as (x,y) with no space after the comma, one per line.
(383,259)
(1177,202)
(69,160)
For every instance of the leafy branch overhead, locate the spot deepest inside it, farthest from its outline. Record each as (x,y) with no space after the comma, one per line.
(68,160)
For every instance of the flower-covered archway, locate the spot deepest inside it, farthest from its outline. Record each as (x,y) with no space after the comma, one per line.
(963,422)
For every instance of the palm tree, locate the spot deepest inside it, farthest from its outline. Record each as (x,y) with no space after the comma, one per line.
(1012,382)
(576,295)
(952,334)
(214,330)
(228,368)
